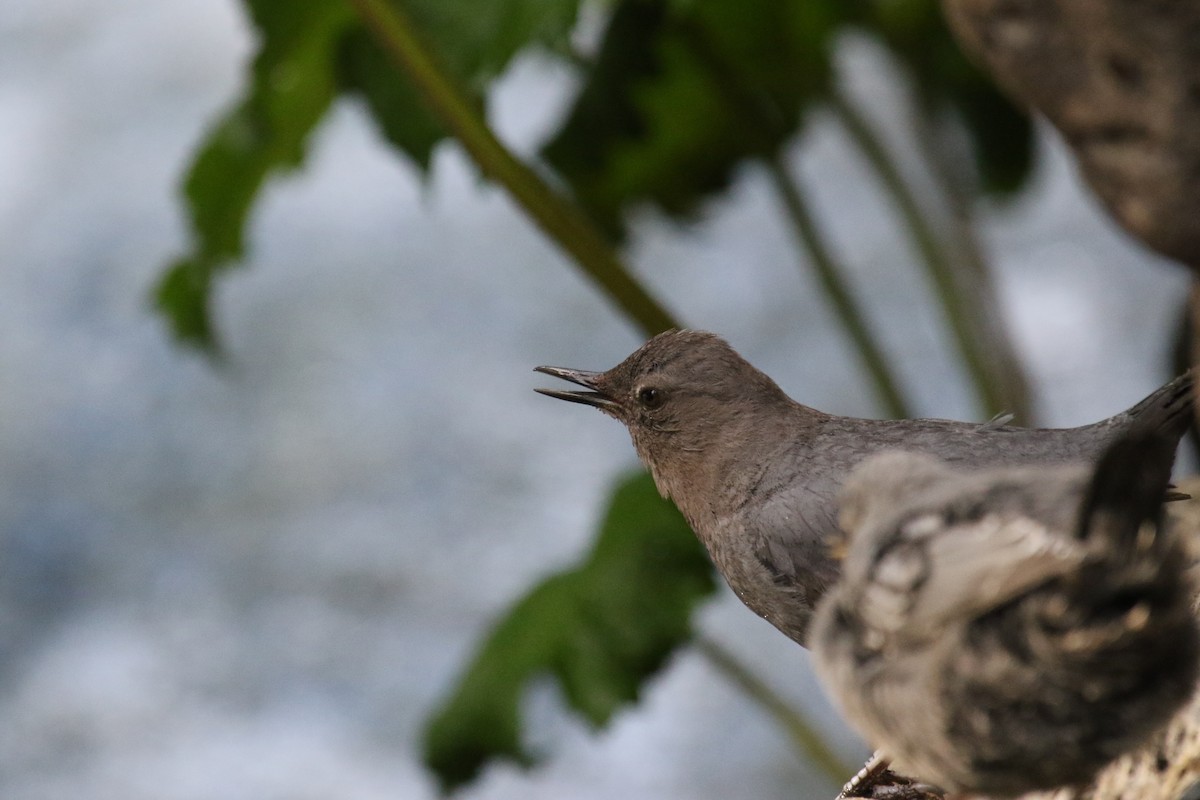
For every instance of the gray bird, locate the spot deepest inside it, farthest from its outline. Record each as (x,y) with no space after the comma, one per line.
(757,474)
(1009,630)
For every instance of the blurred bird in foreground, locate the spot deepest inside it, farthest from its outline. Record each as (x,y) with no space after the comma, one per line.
(1007,630)
(757,474)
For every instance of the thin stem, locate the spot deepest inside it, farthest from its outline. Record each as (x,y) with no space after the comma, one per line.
(975,265)
(988,387)
(807,741)
(830,276)
(555,214)
(768,126)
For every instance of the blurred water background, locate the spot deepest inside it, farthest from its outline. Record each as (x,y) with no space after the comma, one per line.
(253,579)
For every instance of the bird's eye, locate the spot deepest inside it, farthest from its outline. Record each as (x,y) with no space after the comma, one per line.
(651,397)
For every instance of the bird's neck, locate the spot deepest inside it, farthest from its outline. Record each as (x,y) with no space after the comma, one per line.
(712,481)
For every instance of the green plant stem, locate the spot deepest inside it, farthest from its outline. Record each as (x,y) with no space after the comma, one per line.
(557,216)
(830,276)
(807,741)
(960,315)
(768,125)
(958,202)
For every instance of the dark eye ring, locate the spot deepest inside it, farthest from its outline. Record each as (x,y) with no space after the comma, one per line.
(650,397)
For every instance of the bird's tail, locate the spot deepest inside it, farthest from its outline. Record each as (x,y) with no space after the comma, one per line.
(1168,409)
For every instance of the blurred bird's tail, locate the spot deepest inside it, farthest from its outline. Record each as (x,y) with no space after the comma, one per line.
(1168,409)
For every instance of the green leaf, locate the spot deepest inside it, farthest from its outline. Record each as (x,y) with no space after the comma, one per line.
(478,39)
(916,33)
(1002,134)
(475,41)
(291,86)
(681,93)
(182,293)
(309,52)
(394,105)
(600,630)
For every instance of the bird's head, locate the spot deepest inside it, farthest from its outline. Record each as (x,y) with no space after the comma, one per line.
(678,394)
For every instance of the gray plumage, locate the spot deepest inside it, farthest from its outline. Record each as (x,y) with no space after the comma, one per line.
(757,474)
(1014,629)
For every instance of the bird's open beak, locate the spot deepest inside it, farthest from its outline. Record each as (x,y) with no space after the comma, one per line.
(579,377)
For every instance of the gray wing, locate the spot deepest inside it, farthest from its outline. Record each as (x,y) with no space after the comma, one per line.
(794,539)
